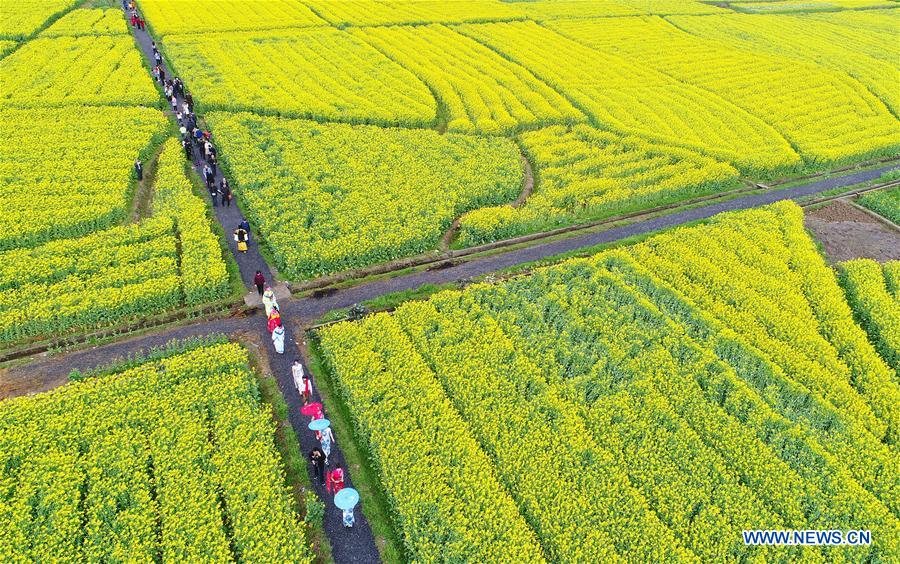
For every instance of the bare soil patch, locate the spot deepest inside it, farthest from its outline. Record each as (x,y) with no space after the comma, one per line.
(847,233)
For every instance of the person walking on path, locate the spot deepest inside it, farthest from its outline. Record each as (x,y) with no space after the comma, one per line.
(260,282)
(225,191)
(157,57)
(139,169)
(188,150)
(317,458)
(301,380)
(278,342)
(274,320)
(347,517)
(241,237)
(214,193)
(269,301)
(335,480)
(326,439)
(189,100)
(245,225)
(208,176)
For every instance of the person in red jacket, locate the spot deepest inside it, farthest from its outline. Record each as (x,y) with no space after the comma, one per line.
(260,282)
(335,480)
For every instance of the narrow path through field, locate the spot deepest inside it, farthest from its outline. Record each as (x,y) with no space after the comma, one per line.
(355,544)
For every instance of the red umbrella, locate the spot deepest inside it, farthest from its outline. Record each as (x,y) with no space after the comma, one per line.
(311,408)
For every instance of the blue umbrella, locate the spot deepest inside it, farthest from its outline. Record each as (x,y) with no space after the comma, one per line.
(319,425)
(347,498)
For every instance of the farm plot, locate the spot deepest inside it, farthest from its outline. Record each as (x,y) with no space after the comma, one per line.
(481,91)
(884,202)
(108,276)
(828,117)
(88,22)
(76,71)
(322,74)
(631,97)
(584,174)
(332,197)
(787,6)
(171,460)
(884,21)
(65,172)
(874,293)
(708,403)
(391,12)
(21,18)
(542,10)
(857,49)
(663,7)
(199,16)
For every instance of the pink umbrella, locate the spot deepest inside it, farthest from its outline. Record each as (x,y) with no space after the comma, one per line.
(311,409)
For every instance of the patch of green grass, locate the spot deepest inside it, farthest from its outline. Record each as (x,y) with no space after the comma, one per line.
(365,479)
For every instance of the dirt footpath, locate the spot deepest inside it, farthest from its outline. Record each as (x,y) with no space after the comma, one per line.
(848,233)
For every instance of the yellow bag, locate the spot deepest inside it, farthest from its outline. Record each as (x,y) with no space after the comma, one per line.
(242,246)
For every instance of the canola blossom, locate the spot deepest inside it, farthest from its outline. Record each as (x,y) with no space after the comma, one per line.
(481,91)
(203,274)
(21,18)
(709,404)
(856,48)
(827,116)
(89,282)
(111,276)
(6,46)
(76,71)
(320,73)
(884,202)
(584,174)
(67,172)
(177,16)
(884,20)
(332,197)
(96,21)
(626,95)
(788,6)
(148,463)
(390,12)
(872,291)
